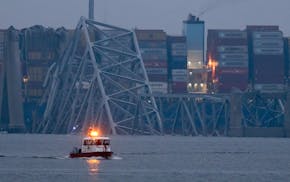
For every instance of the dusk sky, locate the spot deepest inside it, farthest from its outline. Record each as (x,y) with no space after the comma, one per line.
(149,14)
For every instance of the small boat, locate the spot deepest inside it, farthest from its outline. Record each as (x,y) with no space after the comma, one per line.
(93,146)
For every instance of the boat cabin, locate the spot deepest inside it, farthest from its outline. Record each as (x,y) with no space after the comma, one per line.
(96,144)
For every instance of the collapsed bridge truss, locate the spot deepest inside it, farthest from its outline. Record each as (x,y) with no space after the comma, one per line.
(97,82)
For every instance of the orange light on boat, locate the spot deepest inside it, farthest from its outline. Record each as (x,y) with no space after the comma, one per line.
(94,133)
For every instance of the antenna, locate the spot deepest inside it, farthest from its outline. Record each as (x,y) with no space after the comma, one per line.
(91,10)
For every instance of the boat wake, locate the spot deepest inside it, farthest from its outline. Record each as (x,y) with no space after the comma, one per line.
(58,157)
(34,157)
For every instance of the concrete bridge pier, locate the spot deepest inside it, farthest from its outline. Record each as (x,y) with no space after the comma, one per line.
(13,80)
(235,125)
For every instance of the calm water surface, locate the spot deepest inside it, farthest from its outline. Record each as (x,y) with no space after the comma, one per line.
(27,158)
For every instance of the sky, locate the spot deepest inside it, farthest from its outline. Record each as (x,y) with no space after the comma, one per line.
(148,14)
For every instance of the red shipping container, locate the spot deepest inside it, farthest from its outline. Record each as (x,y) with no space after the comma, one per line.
(229,78)
(179,87)
(158,78)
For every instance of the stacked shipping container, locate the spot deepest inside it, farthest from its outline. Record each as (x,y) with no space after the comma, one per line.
(227,57)
(266,58)
(177,64)
(39,50)
(153,48)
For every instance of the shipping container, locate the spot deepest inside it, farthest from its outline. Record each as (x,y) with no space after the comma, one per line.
(178,59)
(34,93)
(152,44)
(156,71)
(233,70)
(269,51)
(181,53)
(159,87)
(232,49)
(153,54)
(179,71)
(158,78)
(179,78)
(178,65)
(270,43)
(150,35)
(267,35)
(241,64)
(232,34)
(231,78)
(268,70)
(178,46)
(174,39)
(158,63)
(233,56)
(262,28)
(179,87)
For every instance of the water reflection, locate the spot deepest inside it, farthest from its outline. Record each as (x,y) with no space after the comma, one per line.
(93,165)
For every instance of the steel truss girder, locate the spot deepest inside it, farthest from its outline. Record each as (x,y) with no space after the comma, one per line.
(194,114)
(98,82)
(260,110)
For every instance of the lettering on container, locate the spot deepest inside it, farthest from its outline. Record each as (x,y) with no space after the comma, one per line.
(232,49)
(179,71)
(268,43)
(234,56)
(267,35)
(178,53)
(178,46)
(234,64)
(268,51)
(156,71)
(233,35)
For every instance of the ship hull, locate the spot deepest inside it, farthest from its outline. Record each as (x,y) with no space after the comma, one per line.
(106,155)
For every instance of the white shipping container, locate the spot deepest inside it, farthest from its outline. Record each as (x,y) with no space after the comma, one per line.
(159,87)
(275,43)
(268,51)
(268,35)
(178,46)
(179,71)
(232,49)
(156,71)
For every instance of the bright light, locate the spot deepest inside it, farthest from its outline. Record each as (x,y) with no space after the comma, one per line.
(190,85)
(93,133)
(195,85)
(25,79)
(201,84)
(190,73)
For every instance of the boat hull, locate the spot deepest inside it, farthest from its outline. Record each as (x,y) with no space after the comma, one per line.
(106,155)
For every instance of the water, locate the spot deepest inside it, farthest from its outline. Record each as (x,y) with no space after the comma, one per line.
(28,158)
